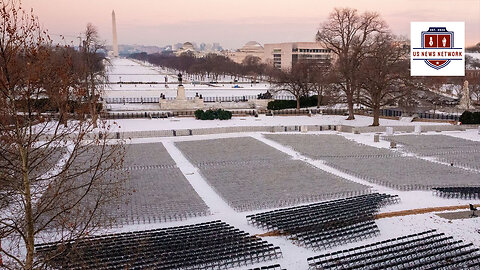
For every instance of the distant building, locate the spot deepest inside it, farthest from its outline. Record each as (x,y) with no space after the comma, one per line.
(252,48)
(197,51)
(187,47)
(285,55)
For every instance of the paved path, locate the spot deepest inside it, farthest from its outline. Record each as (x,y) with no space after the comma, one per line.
(423,211)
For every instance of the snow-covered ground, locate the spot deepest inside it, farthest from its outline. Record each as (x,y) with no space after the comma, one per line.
(145,91)
(126,70)
(294,257)
(261,120)
(475,55)
(150,82)
(193,77)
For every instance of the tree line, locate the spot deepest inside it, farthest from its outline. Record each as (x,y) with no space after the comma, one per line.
(211,66)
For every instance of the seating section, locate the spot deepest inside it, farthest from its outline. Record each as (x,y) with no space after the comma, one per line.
(211,245)
(456,151)
(404,173)
(434,144)
(466,160)
(156,190)
(270,267)
(229,150)
(328,145)
(158,195)
(391,168)
(327,224)
(425,250)
(147,154)
(458,192)
(251,175)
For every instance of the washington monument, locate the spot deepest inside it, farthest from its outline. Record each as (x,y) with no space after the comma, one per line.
(115,40)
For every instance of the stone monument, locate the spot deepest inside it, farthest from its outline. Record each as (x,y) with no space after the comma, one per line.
(114,30)
(181,102)
(465,101)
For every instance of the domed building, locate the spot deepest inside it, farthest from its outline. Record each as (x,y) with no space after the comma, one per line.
(187,47)
(251,48)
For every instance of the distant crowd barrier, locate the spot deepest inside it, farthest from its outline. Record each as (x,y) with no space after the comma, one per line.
(141,100)
(303,111)
(433,116)
(273,129)
(424,128)
(166,114)
(236,112)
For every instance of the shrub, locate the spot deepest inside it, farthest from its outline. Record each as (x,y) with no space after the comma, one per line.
(224,115)
(281,104)
(199,114)
(470,117)
(208,115)
(213,114)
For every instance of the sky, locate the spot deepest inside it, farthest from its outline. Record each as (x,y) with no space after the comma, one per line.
(234,23)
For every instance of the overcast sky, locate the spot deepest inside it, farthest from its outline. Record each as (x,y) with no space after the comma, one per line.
(233,23)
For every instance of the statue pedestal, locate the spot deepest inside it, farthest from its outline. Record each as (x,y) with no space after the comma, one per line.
(181,93)
(181,102)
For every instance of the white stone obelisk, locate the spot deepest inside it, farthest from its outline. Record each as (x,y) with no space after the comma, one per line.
(115,40)
(465,101)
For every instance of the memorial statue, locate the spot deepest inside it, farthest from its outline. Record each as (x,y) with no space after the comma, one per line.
(180,78)
(181,102)
(180,88)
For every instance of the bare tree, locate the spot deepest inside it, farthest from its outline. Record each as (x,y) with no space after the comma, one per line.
(210,65)
(436,91)
(92,69)
(474,84)
(323,85)
(60,77)
(253,65)
(297,81)
(55,179)
(349,35)
(384,74)
(473,75)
